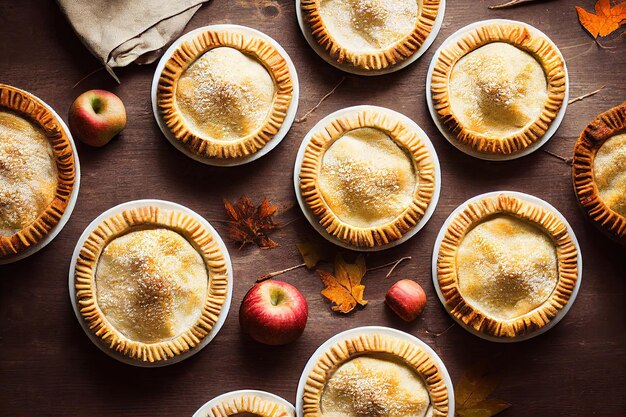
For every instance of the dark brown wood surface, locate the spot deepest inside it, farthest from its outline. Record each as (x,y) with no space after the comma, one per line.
(49,367)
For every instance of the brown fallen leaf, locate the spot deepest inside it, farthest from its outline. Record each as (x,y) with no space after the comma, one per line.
(344,288)
(606,20)
(313,252)
(472,390)
(251,224)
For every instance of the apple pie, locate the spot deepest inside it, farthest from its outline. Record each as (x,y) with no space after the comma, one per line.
(599,172)
(37,171)
(151,283)
(368,177)
(506,267)
(225,93)
(499,87)
(375,375)
(370,34)
(248,405)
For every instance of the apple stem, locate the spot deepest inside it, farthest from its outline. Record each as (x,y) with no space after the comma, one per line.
(275,273)
(393,265)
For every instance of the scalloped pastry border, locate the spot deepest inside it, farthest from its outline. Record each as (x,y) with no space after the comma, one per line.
(31,108)
(603,127)
(384,58)
(137,219)
(345,350)
(400,133)
(192,49)
(521,37)
(248,403)
(471,216)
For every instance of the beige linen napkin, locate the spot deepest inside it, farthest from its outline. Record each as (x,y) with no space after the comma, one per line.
(119,32)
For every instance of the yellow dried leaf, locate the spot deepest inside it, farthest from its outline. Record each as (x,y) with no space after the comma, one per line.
(344,288)
(313,252)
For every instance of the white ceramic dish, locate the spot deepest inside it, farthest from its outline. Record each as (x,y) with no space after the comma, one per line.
(466,149)
(204,410)
(373,330)
(282,132)
(530,199)
(313,219)
(165,205)
(70,205)
(304,27)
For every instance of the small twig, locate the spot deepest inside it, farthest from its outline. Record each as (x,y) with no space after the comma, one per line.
(510,4)
(575,46)
(393,265)
(441,333)
(584,96)
(87,76)
(276,273)
(568,161)
(288,222)
(319,103)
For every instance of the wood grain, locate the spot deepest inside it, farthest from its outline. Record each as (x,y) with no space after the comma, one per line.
(49,367)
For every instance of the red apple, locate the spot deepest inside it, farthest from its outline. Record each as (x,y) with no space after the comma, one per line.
(96,116)
(273,313)
(407,299)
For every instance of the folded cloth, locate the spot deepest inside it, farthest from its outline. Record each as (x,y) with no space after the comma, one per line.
(119,32)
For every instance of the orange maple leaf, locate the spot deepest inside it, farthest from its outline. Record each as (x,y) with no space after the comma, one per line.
(605,21)
(344,288)
(251,224)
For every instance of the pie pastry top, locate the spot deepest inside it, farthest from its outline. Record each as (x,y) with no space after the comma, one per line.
(225,94)
(599,171)
(499,88)
(248,405)
(375,375)
(36,171)
(367,177)
(506,267)
(370,34)
(151,282)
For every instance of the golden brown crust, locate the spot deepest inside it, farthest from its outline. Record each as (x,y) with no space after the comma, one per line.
(466,220)
(341,352)
(141,218)
(400,51)
(32,109)
(521,37)
(404,137)
(192,49)
(248,403)
(603,127)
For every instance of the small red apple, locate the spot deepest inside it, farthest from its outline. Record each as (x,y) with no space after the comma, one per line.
(407,299)
(273,313)
(96,116)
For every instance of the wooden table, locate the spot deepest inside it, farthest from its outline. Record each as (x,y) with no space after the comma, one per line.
(49,367)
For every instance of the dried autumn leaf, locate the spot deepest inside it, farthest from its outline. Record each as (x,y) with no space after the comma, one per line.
(251,224)
(313,252)
(485,408)
(605,21)
(472,390)
(344,288)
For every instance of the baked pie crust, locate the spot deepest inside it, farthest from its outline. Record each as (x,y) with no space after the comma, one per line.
(599,172)
(138,280)
(488,90)
(378,383)
(367,177)
(37,171)
(506,267)
(224,93)
(370,34)
(250,405)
